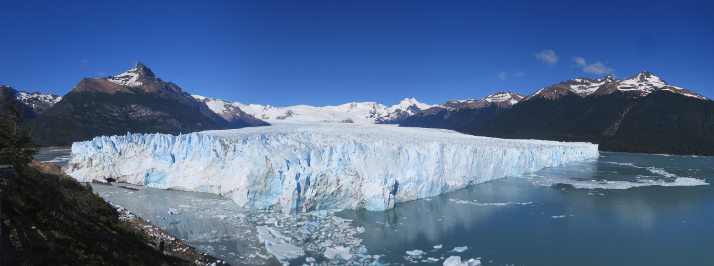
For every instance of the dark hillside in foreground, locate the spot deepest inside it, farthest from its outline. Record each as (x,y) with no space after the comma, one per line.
(48,219)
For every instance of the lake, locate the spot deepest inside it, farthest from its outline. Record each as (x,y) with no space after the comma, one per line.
(621,209)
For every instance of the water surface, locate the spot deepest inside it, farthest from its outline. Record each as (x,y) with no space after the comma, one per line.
(621,209)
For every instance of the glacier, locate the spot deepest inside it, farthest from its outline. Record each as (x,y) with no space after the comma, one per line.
(306,167)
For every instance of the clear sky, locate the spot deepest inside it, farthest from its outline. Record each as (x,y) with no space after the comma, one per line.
(332,52)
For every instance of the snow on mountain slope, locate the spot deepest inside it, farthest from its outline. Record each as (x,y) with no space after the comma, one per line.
(355,112)
(228,111)
(38,97)
(501,99)
(129,78)
(645,83)
(304,167)
(641,84)
(504,97)
(37,101)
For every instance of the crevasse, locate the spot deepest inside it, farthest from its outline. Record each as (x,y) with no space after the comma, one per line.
(305,167)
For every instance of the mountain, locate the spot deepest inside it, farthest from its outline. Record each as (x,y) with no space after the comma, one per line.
(228,111)
(355,112)
(34,103)
(502,99)
(640,85)
(135,101)
(455,114)
(638,114)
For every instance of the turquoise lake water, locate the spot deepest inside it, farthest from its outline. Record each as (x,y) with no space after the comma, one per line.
(621,209)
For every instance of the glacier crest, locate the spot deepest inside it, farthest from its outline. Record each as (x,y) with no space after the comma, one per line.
(299,168)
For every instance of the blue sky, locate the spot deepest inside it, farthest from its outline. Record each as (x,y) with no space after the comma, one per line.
(331,52)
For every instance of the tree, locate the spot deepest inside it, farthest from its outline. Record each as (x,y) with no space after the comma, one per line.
(15,141)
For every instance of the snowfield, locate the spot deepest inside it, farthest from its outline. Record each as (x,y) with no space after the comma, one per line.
(305,167)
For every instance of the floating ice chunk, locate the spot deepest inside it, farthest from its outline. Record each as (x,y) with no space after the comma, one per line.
(415,252)
(460,249)
(310,260)
(595,193)
(609,184)
(302,167)
(338,253)
(558,216)
(456,261)
(474,262)
(439,246)
(362,250)
(277,244)
(489,204)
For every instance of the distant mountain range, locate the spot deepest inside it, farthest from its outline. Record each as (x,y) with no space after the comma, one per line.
(355,112)
(638,114)
(33,103)
(642,113)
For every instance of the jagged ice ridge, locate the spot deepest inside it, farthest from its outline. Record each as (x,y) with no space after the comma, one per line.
(296,168)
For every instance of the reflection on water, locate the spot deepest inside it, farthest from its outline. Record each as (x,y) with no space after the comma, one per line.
(610,211)
(208,222)
(563,225)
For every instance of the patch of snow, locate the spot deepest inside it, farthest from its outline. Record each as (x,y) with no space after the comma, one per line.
(129,78)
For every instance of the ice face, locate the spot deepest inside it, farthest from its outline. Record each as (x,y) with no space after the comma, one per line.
(298,168)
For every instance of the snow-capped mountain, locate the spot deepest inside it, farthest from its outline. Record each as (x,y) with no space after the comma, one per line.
(642,113)
(355,112)
(502,99)
(639,85)
(228,111)
(36,102)
(39,102)
(135,101)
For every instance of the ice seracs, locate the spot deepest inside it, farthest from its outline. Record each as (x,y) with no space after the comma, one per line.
(305,167)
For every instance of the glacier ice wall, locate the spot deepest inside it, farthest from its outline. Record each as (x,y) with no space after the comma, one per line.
(296,168)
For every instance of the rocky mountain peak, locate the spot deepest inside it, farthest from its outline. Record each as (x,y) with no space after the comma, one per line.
(134,77)
(608,78)
(408,102)
(143,70)
(648,78)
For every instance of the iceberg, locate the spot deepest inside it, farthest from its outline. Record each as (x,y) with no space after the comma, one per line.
(307,167)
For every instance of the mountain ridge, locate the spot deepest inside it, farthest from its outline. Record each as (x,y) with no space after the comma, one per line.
(135,101)
(638,114)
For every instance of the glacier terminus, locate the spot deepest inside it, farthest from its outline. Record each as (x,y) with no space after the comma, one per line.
(306,167)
